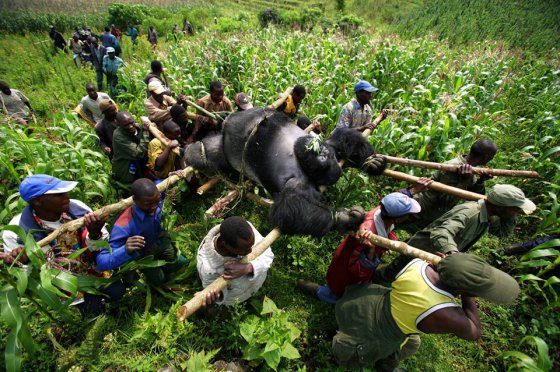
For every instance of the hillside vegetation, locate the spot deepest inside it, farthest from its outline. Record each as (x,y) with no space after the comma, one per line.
(443,99)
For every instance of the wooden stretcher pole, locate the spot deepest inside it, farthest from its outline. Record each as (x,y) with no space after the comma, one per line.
(453,168)
(218,207)
(110,209)
(157,133)
(438,186)
(274,105)
(398,246)
(208,185)
(202,110)
(196,302)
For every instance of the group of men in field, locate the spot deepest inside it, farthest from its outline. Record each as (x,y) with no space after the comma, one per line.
(381,305)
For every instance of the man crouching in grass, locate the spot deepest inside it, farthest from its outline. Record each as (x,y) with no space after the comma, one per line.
(220,254)
(138,233)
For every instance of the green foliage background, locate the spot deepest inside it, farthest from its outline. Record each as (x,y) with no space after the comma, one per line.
(444,99)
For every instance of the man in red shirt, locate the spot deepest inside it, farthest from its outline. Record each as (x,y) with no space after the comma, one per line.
(355,261)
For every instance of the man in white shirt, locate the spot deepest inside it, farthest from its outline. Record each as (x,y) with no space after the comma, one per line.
(219,254)
(89,105)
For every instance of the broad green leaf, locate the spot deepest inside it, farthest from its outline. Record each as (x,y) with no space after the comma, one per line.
(527,361)
(534,263)
(543,252)
(268,306)
(290,352)
(248,327)
(66,282)
(272,358)
(551,281)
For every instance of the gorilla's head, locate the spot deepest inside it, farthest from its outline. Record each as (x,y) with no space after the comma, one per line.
(318,160)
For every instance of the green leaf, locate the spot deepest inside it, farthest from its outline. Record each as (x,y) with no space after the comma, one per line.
(66,281)
(544,252)
(248,327)
(12,353)
(527,361)
(47,276)
(290,352)
(550,281)
(534,263)
(272,358)
(543,359)
(21,275)
(268,306)
(33,251)
(525,277)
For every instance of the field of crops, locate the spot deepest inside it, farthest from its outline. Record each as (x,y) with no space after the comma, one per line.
(443,99)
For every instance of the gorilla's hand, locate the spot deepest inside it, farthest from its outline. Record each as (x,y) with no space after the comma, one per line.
(374,165)
(349,219)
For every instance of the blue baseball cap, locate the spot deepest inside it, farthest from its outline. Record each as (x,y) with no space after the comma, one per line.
(397,204)
(364,85)
(41,184)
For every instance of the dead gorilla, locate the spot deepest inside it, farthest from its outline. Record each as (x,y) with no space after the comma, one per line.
(265,146)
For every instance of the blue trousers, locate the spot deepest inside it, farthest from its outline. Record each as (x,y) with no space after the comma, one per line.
(99,76)
(324,294)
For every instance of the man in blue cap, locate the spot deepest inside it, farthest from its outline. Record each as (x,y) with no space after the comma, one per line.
(357,113)
(355,261)
(49,207)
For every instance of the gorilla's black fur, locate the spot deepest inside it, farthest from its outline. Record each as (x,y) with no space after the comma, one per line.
(265,146)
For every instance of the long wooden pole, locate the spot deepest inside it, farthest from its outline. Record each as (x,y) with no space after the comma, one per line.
(454,167)
(438,186)
(274,105)
(110,209)
(152,127)
(202,110)
(217,208)
(398,246)
(196,302)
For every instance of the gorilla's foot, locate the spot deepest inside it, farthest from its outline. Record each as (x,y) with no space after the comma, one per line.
(349,219)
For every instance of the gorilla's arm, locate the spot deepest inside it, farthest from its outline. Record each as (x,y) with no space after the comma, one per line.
(298,210)
(351,146)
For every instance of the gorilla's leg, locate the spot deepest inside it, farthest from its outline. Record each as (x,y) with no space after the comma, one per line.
(207,155)
(300,211)
(351,146)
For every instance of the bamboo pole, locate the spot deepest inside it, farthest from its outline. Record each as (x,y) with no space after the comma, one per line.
(110,209)
(398,246)
(208,185)
(216,209)
(274,105)
(203,110)
(454,167)
(195,303)
(460,193)
(158,134)
(259,199)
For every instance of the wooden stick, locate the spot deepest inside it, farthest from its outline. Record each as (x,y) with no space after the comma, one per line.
(274,105)
(110,209)
(453,168)
(158,134)
(208,185)
(202,110)
(398,246)
(259,199)
(460,193)
(218,207)
(196,302)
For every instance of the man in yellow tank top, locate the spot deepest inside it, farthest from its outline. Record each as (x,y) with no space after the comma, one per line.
(379,326)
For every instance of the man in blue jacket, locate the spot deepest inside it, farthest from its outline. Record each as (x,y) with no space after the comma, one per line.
(138,233)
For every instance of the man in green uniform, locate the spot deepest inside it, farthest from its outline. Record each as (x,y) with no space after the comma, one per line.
(434,204)
(378,327)
(461,227)
(130,146)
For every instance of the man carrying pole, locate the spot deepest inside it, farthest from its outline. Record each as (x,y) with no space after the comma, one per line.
(461,227)
(434,204)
